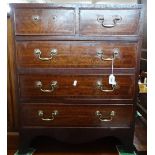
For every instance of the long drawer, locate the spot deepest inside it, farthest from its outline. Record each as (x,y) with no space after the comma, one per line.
(44,21)
(76,86)
(109,21)
(76,54)
(60,115)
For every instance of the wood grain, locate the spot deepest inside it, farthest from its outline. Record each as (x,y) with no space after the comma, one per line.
(11,88)
(77,36)
(86,86)
(51,21)
(75,54)
(75,115)
(89,25)
(43,144)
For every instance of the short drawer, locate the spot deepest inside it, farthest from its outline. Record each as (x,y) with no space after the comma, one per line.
(76,54)
(109,22)
(44,21)
(76,86)
(59,115)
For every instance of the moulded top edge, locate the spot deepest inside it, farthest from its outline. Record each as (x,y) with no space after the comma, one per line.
(62,5)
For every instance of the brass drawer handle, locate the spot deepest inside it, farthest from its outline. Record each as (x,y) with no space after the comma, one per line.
(116,19)
(105,118)
(37,53)
(101,55)
(51,118)
(100,86)
(53,85)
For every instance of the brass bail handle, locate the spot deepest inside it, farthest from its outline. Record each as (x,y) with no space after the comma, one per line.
(53,85)
(116,19)
(102,88)
(101,55)
(37,53)
(50,118)
(103,118)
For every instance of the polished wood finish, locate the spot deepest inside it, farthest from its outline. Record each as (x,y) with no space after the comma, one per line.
(86,87)
(140,143)
(128,25)
(12,140)
(75,115)
(131,22)
(44,22)
(11,95)
(76,54)
(78,43)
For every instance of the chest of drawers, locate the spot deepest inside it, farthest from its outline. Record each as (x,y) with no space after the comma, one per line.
(63,57)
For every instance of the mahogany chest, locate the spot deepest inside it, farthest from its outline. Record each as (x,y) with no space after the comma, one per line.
(76,69)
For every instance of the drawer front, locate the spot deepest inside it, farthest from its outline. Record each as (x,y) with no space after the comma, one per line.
(44,22)
(76,86)
(109,22)
(82,54)
(59,115)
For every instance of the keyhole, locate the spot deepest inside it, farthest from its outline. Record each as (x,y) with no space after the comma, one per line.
(35,18)
(54,17)
(75,83)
